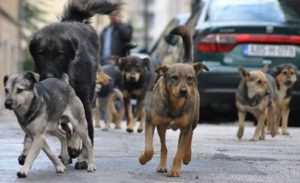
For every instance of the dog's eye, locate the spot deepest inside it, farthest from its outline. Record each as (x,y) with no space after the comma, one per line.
(284,72)
(190,79)
(259,82)
(19,90)
(174,78)
(292,73)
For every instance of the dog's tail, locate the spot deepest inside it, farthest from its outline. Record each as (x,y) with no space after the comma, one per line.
(83,10)
(119,94)
(128,47)
(187,42)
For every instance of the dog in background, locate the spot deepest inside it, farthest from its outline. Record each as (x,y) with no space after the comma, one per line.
(106,97)
(257,94)
(72,46)
(138,77)
(39,110)
(174,104)
(285,76)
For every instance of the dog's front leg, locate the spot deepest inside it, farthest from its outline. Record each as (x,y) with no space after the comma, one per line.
(285,117)
(148,153)
(241,116)
(38,143)
(162,167)
(261,118)
(129,115)
(138,114)
(142,120)
(27,146)
(182,146)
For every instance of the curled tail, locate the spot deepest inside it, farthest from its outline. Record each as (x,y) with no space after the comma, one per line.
(128,47)
(187,42)
(82,10)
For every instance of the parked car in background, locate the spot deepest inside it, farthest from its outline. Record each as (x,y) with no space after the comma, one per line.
(237,32)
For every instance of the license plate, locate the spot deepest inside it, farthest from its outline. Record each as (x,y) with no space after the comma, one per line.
(270,50)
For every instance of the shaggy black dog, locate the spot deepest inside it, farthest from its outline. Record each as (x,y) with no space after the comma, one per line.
(72,46)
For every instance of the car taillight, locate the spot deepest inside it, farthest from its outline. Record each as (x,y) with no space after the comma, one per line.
(226,42)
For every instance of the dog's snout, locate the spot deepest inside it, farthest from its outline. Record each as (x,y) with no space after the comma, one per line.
(132,78)
(8,104)
(288,82)
(183,92)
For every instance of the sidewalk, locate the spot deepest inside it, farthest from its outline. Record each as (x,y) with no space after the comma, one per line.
(217,157)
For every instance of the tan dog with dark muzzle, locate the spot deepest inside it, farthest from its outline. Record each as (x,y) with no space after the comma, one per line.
(286,77)
(174,104)
(256,94)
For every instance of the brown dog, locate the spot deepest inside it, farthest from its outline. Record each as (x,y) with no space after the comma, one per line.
(256,94)
(174,104)
(286,76)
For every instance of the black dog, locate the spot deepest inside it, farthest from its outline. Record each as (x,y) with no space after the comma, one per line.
(72,46)
(138,77)
(106,97)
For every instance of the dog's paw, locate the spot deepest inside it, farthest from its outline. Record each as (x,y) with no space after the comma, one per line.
(129,130)
(254,139)
(161,169)
(144,158)
(186,160)
(240,133)
(262,138)
(91,168)
(60,168)
(21,174)
(105,129)
(22,159)
(65,160)
(73,153)
(81,165)
(173,173)
(140,130)
(285,133)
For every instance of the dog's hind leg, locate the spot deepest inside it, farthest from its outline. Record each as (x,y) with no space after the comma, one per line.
(27,146)
(60,168)
(64,155)
(148,153)
(120,116)
(37,145)
(74,145)
(182,146)
(162,167)
(285,117)
(107,111)
(241,116)
(142,121)
(97,113)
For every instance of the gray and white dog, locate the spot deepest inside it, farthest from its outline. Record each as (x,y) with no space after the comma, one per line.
(40,107)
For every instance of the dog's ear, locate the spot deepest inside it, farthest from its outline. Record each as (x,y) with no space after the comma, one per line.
(199,67)
(116,60)
(243,72)
(275,71)
(146,63)
(32,77)
(264,68)
(5,79)
(162,70)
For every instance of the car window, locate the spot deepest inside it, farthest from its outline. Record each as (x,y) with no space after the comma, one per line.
(251,10)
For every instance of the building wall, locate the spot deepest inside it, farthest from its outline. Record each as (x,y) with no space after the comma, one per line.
(9,41)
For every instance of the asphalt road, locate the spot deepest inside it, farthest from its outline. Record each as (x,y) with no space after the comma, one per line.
(217,157)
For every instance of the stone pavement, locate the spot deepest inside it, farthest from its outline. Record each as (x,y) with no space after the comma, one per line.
(217,157)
